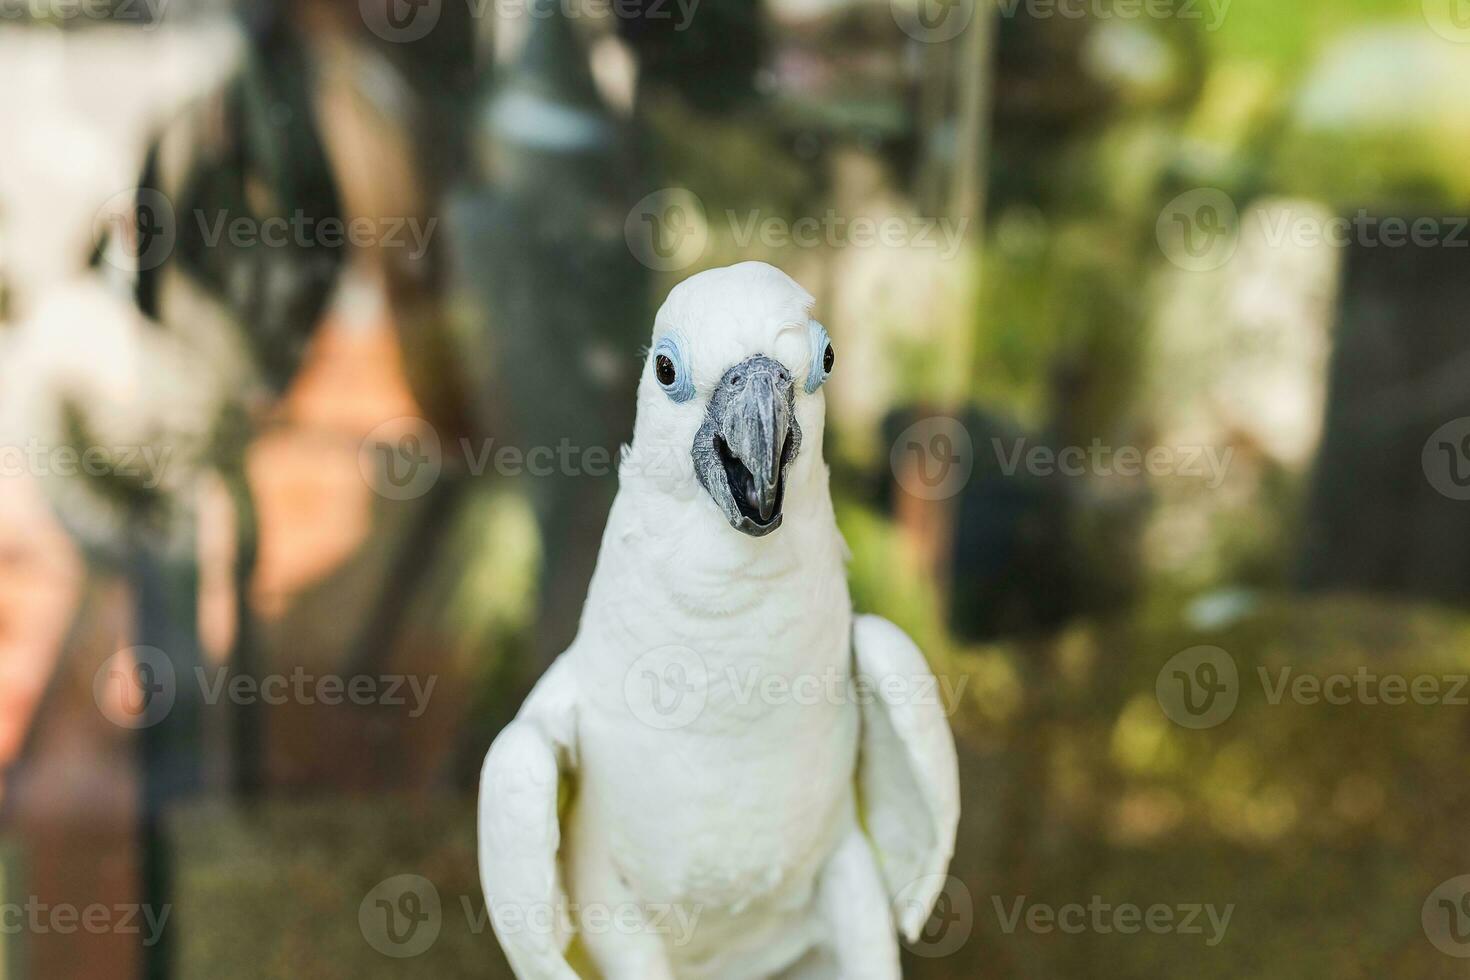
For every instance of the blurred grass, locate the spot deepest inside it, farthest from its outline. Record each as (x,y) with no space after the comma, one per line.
(1297,814)
(275,892)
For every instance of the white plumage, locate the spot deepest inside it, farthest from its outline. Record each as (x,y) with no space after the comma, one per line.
(684,791)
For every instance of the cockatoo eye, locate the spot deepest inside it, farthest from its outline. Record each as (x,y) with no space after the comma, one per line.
(671,369)
(823,357)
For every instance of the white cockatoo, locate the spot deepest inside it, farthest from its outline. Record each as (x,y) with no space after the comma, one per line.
(727,774)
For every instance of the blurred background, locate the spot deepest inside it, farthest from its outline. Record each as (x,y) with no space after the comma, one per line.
(319,327)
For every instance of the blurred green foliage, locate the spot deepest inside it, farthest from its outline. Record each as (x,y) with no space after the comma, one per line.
(1285,36)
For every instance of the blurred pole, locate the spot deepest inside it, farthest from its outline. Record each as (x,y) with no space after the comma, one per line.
(166,588)
(248,736)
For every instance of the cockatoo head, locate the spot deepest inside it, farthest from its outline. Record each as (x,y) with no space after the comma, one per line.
(733,379)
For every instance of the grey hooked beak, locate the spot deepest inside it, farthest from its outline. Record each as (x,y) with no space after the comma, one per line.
(748,439)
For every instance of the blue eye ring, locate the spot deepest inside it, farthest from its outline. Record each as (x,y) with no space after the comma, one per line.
(821,343)
(680,387)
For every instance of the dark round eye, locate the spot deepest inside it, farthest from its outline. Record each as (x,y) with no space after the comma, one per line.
(663,369)
(822,356)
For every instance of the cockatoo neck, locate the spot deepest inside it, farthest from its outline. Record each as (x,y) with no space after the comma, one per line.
(666,530)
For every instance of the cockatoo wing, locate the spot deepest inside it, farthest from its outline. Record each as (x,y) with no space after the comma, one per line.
(908,775)
(520,831)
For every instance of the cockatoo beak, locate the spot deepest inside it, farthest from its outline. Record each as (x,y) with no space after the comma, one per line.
(748,439)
